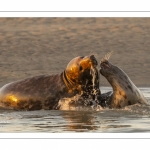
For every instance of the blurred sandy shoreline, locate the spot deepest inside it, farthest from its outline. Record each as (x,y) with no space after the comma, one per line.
(34,46)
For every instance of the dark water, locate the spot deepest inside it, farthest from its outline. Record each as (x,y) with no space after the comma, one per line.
(135,118)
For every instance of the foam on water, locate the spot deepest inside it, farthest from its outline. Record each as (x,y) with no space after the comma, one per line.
(136,108)
(78,104)
(69,103)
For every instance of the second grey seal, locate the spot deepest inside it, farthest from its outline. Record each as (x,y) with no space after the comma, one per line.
(124,90)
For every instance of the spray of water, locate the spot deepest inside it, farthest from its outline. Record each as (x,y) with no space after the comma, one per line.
(77,102)
(95,105)
(93,73)
(67,103)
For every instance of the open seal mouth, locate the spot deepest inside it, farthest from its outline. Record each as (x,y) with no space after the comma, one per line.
(104,64)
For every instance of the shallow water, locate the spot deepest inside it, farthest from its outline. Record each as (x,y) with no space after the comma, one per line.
(135,118)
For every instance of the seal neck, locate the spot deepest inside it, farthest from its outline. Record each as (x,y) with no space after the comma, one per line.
(69,83)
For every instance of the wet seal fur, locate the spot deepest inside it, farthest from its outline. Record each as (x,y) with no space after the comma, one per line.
(45,91)
(124,91)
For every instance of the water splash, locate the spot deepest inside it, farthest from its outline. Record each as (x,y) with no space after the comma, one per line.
(78,103)
(94,75)
(73,103)
(138,109)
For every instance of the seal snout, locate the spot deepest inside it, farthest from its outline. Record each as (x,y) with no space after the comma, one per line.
(93,59)
(105,64)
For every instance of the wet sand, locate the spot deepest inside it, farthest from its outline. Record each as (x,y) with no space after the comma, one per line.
(34,46)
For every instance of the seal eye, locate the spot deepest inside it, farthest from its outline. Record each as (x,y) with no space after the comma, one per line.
(80,68)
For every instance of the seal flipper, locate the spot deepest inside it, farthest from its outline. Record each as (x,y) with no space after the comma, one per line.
(105,99)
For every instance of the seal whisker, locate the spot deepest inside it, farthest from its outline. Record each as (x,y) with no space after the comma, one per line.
(93,53)
(109,54)
(106,56)
(72,54)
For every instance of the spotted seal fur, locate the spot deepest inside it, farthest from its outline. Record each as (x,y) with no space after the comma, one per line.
(45,91)
(124,90)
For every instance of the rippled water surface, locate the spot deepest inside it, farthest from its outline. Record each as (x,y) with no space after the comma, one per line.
(135,118)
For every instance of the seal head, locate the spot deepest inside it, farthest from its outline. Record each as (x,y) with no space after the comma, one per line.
(81,74)
(124,91)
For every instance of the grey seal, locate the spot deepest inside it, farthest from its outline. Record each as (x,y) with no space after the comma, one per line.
(124,90)
(81,76)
